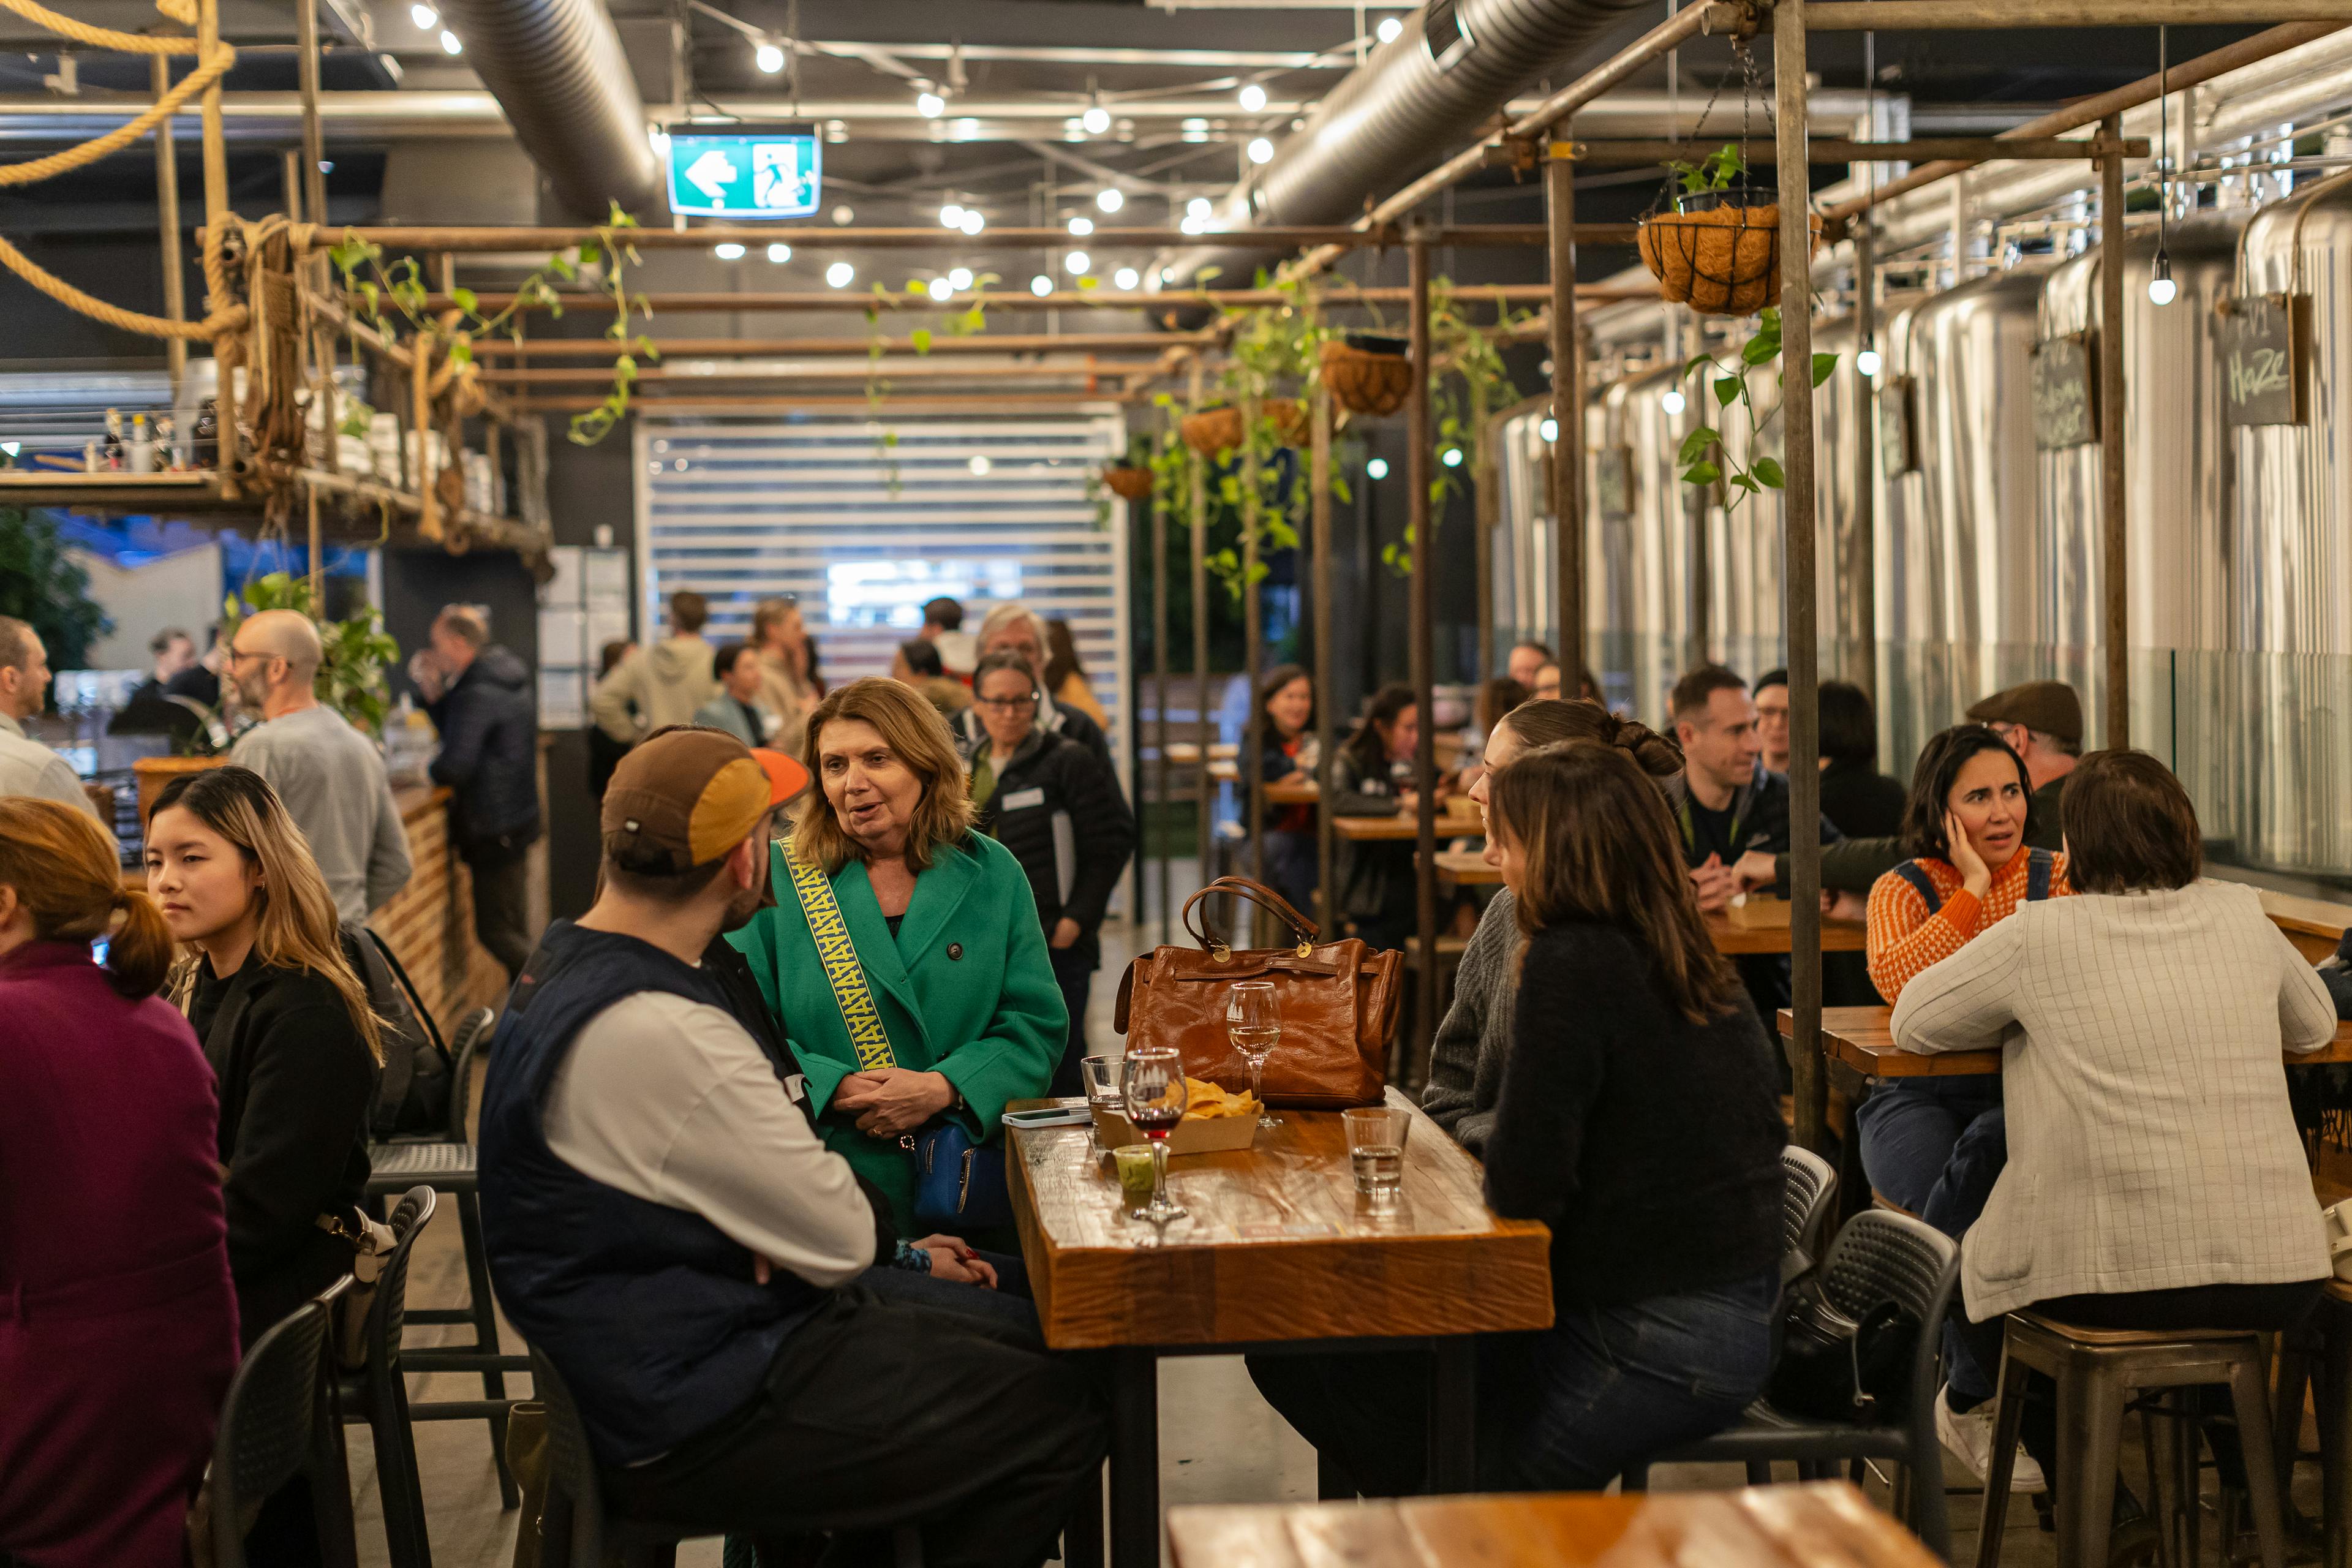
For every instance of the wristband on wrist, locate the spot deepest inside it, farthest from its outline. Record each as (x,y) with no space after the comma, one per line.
(911,1258)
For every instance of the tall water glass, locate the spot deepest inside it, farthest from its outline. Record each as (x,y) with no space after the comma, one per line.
(1376,1136)
(1103,1077)
(1254,1027)
(1155,1094)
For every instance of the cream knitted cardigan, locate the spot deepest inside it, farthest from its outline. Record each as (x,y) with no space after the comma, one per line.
(2150,1143)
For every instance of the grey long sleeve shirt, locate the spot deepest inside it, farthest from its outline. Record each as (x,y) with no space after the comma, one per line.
(1466,1064)
(334,786)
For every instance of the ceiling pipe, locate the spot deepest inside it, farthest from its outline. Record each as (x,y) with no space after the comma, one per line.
(1429,90)
(556,66)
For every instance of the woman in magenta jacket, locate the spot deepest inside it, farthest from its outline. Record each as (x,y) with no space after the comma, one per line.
(117,1324)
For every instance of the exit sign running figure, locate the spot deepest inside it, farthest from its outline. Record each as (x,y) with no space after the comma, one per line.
(744,175)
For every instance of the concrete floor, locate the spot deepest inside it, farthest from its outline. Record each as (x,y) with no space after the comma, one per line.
(1219,1441)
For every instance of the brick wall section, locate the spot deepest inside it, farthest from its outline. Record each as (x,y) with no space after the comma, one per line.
(429,923)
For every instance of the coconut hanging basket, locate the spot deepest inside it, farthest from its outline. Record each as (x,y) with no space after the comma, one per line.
(1213,430)
(1291,426)
(1720,258)
(1128,484)
(1367,379)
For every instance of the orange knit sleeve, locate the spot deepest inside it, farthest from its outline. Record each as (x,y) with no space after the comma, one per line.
(1903,937)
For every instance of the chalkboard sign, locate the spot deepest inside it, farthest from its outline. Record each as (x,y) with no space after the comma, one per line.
(1897,443)
(1612,479)
(2065,392)
(2265,341)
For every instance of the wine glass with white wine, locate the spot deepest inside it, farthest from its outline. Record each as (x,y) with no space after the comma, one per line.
(1254,1028)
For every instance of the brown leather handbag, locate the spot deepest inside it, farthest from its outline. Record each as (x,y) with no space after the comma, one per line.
(1338,999)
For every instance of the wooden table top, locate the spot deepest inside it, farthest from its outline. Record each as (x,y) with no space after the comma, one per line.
(1458,814)
(1188,753)
(1837,936)
(1466,868)
(1811,1526)
(1862,1039)
(1278,1246)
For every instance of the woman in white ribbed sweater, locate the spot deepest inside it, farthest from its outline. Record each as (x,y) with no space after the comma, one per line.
(2155,1178)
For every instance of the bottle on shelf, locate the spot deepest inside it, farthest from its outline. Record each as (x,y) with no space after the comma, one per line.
(142,446)
(170,454)
(207,437)
(110,450)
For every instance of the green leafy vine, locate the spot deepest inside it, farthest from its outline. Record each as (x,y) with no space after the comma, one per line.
(1704,456)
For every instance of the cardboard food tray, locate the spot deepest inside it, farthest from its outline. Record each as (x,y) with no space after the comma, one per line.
(1758,911)
(1193,1136)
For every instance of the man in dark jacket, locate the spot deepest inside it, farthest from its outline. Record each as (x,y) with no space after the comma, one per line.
(1045,797)
(479,697)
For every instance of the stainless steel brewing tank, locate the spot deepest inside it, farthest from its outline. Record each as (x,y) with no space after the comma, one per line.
(1650,541)
(2177,503)
(1959,547)
(2291,564)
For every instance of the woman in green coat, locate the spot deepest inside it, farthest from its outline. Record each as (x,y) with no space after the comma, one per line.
(943,939)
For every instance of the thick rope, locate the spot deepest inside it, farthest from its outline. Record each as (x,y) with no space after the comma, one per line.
(33,171)
(221,321)
(181,11)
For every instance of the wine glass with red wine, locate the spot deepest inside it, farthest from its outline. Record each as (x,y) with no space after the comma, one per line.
(1155,1095)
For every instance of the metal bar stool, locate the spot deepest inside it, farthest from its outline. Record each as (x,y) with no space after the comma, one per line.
(2097,1371)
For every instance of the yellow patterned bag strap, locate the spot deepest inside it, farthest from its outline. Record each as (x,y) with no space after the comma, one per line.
(868,1037)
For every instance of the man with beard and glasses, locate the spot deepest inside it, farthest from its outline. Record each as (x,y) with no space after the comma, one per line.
(665,1224)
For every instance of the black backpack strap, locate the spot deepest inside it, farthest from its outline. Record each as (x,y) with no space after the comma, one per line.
(2039,866)
(408,989)
(1911,872)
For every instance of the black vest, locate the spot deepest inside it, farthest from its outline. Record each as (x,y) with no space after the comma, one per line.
(650,1312)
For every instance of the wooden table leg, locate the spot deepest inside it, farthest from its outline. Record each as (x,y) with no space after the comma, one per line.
(1453,1414)
(1134,1457)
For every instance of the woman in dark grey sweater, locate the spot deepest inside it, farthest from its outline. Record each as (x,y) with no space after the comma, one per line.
(1466,1067)
(1638,1119)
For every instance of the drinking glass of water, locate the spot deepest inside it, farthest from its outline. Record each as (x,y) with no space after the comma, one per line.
(1155,1094)
(1104,1078)
(1254,1027)
(1376,1137)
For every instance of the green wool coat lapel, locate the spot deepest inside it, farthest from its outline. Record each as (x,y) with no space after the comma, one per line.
(938,894)
(886,968)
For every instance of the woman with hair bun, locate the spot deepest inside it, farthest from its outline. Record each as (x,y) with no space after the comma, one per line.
(1465,1065)
(118,1335)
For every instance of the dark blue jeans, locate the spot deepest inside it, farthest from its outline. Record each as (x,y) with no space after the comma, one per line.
(1563,1409)
(1936,1148)
(1291,868)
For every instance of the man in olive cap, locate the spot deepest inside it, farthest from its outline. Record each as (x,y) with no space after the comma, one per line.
(2043,722)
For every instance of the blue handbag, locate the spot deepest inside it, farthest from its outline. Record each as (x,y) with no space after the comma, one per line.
(960,1184)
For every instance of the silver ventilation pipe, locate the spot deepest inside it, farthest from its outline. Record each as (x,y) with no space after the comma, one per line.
(1421,95)
(557,68)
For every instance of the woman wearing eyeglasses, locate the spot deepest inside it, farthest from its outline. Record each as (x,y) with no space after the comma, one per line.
(1046,798)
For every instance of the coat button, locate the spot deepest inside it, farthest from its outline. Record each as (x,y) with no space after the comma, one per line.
(955,950)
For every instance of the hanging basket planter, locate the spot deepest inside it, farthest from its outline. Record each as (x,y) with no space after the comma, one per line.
(1213,430)
(1366,374)
(1717,253)
(1291,423)
(1128,484)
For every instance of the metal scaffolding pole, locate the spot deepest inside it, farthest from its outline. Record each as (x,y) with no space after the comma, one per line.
(314,140)
(1861,576)
(2118,634)
(1809,1072)
(1252,790)
(1422,653)
(1567,426)
(1205,799)
(1159,775)
(1319,480)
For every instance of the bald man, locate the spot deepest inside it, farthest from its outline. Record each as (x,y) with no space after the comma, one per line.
(331,776)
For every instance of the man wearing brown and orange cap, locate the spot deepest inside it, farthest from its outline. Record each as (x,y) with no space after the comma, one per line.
(665,1225)
(2043,722)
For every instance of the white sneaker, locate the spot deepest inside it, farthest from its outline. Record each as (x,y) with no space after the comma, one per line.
(1969,1438)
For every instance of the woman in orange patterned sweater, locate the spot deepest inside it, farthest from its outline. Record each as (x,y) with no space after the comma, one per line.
(1934,1146)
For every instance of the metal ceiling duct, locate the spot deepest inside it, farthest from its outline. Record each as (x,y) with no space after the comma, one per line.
(1420,95)
(556,66)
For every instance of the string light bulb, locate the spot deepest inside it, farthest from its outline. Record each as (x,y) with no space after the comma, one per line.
(2161,288)
(1549,430)
(1261,151)
(1672,402)
(449,44)
(1867,361)
(1096,120)
(973,221)
(728,250)
(1125,277)
(780,253)
(960,279)
(952,215)
(1110,199)
(840,275)
(929,104)
(1253,97)
(769,56)
(1041,285)
(1077,263)
(1081,225)
(1378,469)
(1388,28)
(426,18)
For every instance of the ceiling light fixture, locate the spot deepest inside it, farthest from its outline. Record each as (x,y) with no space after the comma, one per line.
(929,104)
(780,252)
(952,215)
(980,465)
(728,250)
(1253,97)
(1672,401)
(769,56)
(426,18)
(842,216)
(960,279)
(972,221)
(1388,28)
(840,275)
(1077,263)
(449,44)
(1041,285)
(939,289)
(1125,277)
(2161,288)
(1261,151)
(1096,120)
(1081,225)
(1867,361)
(1378,469)
(1110,199)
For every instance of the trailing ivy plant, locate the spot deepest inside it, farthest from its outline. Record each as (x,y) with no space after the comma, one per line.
(1704,459)
(960,324)
(373,284)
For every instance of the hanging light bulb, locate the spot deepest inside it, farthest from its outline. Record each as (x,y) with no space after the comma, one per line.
(769,56)
(780,252)
(1378,469)
(1549,430)
(1125,277)
(426,18)
(1388,28)
(1451,457)
(980,465)
(1672,402)
(1199,208)
(1077,263)
(1041,285)
(960,279)
(1096,120)
(929,104)
(952,215)
(1867,361)
(972,221)
(1110,199)
(1261,151)
(840,275)
(2161,288)
(1253,98)
(939,289)
(728,250)
(449,44)
(1081,225)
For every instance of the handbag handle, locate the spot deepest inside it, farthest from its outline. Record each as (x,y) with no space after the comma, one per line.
(1257,893)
